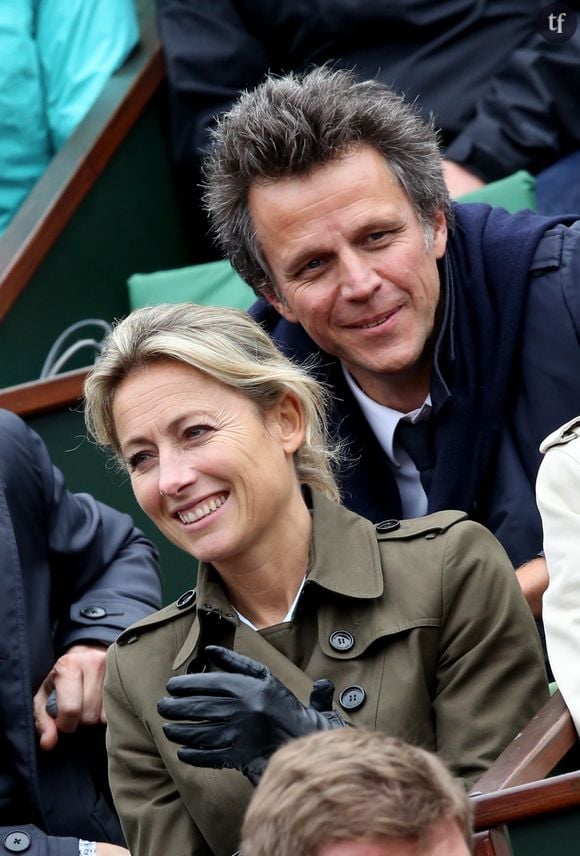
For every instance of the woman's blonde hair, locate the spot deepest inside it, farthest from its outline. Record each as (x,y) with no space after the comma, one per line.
(228,346)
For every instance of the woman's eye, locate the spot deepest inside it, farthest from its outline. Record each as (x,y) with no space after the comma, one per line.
(138,460)
(195,432)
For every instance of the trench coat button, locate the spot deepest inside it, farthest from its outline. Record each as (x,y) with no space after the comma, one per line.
(17,841)
(93,612)
(352,697)
(388,525)
(341,640)
(185,599)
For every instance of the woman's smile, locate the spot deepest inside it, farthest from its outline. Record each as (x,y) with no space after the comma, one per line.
(214,473)
(202,510)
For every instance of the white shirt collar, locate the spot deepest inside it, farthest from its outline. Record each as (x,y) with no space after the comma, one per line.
(383,420)
(289,614)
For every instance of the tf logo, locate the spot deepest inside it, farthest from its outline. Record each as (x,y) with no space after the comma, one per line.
(557,22)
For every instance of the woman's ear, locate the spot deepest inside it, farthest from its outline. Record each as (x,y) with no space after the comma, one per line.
(286,422)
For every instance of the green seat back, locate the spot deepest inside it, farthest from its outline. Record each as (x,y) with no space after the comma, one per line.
(514,193)
(214,283)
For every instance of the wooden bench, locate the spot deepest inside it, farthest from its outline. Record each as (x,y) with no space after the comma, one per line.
(516,809)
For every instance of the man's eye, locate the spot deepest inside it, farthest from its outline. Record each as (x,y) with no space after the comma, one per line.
(376,236)
(313,264)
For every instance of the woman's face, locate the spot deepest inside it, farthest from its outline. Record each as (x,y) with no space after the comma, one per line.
(214,475)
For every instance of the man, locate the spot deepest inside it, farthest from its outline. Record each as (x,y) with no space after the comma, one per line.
(502,90)
(356,793)
(328,196)
(74,574)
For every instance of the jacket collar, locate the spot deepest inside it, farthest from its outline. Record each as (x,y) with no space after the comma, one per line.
(342,542)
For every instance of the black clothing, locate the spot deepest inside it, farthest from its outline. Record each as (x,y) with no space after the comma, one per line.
(504,98)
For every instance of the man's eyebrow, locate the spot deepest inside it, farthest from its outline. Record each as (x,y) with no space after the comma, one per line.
(294,263)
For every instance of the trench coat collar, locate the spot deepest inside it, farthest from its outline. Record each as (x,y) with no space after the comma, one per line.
(341,542)
(333,557)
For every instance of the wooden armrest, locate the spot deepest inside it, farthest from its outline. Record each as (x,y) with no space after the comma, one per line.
(42,396)
(491,842)
(522,801)
(76,167)
(534,752)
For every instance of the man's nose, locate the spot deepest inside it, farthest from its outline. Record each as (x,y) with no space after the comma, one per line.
(358,279)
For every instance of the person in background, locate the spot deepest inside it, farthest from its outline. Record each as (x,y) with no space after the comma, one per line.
(503,95)
(425,319)
(558,495)
(356,793)
(74,574)
(224,442)
(56,57)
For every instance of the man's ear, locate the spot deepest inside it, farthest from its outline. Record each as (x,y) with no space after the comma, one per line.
(280,305)
(439,234)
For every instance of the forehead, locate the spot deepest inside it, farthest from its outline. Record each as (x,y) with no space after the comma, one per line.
(164,374)
(364,170)
(355,189)
(161,389)
(446,840)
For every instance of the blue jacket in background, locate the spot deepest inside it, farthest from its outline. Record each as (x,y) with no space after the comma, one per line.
(72,570)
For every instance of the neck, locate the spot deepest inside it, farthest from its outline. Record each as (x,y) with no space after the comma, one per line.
(403,394)
(263,585)
(405,390)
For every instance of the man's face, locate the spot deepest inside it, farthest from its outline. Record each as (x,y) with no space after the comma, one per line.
(351,263)
(446,840)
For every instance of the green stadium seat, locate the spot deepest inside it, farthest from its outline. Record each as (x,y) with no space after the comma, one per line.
(514,193)
(214,283)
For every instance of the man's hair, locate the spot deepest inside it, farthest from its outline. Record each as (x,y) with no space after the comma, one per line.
(290,125)
(226,345)
(350,784)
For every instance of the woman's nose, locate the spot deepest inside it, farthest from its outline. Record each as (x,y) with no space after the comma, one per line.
(175,473)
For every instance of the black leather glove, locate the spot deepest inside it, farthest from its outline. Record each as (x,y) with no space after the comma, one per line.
(238,717)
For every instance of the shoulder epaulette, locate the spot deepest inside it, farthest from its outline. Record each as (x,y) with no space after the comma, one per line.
(185,603)
(563,435)
(427,527)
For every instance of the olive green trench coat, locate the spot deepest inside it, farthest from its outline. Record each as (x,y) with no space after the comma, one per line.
(435,645)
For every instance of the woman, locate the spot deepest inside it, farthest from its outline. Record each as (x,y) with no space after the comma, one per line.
(420,625)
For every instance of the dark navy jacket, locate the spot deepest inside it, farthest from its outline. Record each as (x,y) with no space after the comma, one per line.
(71,570)
(507,372)
(502,95)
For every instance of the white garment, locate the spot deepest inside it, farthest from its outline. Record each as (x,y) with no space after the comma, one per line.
(383,421)
(289,614)
(558,497)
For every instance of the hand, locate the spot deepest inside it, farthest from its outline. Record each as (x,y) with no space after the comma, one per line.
(533,579)
(77,677)
(459,180)
(238,717)
(104,849)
